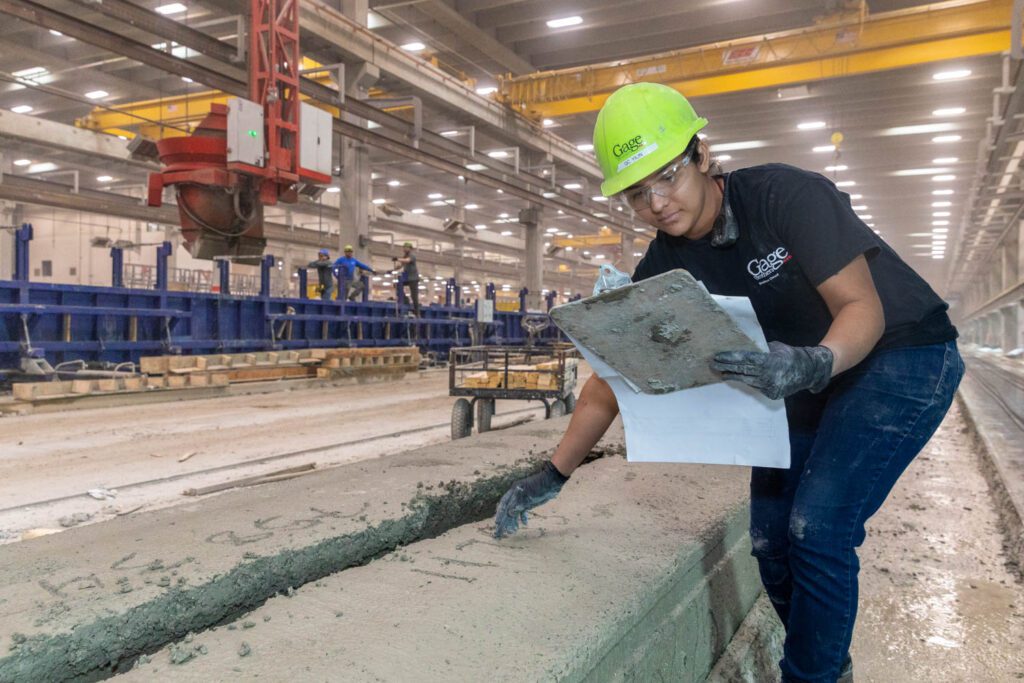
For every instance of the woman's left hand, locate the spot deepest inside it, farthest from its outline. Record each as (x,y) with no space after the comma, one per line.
(781,372)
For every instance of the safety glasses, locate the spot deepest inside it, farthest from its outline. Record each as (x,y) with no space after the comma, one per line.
(663,185)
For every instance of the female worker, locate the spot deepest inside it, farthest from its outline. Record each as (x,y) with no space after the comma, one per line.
(860,347)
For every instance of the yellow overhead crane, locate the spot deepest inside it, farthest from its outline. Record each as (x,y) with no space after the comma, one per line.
(177,115)
(603,238)
(849,43)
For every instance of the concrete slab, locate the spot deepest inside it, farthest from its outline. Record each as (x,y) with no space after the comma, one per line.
(77,603)
(661,333)
(635,572)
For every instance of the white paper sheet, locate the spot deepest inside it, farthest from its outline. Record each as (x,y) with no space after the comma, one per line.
(721,424)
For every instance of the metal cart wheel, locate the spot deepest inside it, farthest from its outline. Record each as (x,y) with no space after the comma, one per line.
(570,402)
(484,413)
(556,409)
(462,419)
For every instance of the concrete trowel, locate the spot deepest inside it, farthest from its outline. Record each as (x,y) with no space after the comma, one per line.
(660,334)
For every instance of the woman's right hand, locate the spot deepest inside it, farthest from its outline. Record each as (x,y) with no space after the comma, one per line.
(526,494)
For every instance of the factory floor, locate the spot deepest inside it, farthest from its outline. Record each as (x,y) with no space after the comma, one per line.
(143,457)
(938,602)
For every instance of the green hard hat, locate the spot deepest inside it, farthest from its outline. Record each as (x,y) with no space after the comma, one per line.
(407,245)
(641,127)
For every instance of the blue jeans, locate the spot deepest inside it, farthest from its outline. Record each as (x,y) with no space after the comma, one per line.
(849,445)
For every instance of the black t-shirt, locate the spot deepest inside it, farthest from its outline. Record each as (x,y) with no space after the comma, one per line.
(796,230)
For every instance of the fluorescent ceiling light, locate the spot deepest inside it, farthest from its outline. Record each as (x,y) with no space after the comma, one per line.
(919,171)
(96,94)
(860,207)
(379,201)
(187,79)
(946,138)
(938,257)
(940,193)
(939,230)
(824,148)
(811,125)
(334,190)
(940,214)
(498,154)
(940,205)
(435,195)
(940,222)
(394,183)
(735,146)
(549,195)
(438,203)
(414,46)
(548,123)
(417,211)
(839,167)
(943,178)
(172,8)
(21,109)
(449,133)
(949,111)
(31,72)
(724,157)
(923,128)
(486,90)
(945,160)
(480,227)
(599,198)
(374,20)
(951,75)
(565,21)
(45,167)
(572,186)
(104,178)
(475,167)
(22,162)
(56,33)
(856,196)
(506,233)
(472,206)
(585,147)
(865,217)
(845,183)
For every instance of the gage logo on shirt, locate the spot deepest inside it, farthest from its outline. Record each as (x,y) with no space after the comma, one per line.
(764,269)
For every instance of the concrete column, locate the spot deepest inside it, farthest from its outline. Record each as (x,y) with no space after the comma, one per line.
(1009,255)
(354,158)
(534,257)
(628,262)
(11,215)
(1011,327)
(1020,248)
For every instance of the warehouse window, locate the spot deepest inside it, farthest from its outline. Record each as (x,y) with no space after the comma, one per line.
(47,268)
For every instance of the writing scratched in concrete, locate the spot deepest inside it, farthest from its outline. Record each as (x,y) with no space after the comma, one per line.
(271,523)
(154,565)
(467,579)
(80,583)
(464,563)
(231,538)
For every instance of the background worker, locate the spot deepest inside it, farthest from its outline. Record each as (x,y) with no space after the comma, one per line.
(860,347)
(407,264)
(324,271)
(347,266)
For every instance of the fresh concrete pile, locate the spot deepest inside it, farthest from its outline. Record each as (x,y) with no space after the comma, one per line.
(386,570)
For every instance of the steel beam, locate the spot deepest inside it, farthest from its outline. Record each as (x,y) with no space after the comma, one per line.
(890,40)
(40,131)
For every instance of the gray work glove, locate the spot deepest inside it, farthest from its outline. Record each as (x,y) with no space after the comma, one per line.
(782,371)
(524,495)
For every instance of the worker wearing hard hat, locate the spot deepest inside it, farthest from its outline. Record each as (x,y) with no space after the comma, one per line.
(407,264)
(861,349)
(347,266)
(324,270)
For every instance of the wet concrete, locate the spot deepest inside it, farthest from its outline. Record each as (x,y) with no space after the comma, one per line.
(661,333)
(83,601)
(938,601)
(635,572)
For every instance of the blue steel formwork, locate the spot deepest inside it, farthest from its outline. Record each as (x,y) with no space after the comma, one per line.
(118,324)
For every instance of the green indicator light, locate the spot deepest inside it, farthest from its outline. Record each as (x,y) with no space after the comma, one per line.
(252,133)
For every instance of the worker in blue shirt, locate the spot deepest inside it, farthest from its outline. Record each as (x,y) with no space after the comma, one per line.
(346,266)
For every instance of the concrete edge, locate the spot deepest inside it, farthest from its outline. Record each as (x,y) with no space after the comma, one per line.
(648,647)
(754,652)
(1010,513)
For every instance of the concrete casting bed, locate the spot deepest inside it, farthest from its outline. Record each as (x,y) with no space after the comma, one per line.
(635,570)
